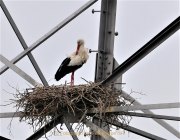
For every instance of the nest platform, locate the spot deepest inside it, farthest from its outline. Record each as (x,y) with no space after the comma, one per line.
(40,105)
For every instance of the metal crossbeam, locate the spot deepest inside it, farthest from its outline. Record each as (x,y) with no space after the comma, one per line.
(50,33)
(150,116)
(135,130)
(10,114)
(96,129)
(145,50)
(46,128)
(23,43)
(137,107)
(160,122)
(18,71)
(121,110)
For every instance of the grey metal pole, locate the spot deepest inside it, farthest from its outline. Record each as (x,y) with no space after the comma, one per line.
(105,57)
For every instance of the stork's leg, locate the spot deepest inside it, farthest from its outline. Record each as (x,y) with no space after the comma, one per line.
(72,79)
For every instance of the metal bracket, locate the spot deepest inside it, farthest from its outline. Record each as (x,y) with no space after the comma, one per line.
(93,11)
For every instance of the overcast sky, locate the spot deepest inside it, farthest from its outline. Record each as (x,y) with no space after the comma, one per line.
(137,21)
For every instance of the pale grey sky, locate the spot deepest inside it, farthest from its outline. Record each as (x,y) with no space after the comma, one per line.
(156,76)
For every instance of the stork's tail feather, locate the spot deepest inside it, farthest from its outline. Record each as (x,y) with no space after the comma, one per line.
(57,78)
(59,75)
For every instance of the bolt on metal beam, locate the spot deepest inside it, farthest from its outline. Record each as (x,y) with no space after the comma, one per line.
(18,71)
(23,43)
(50,33)
(145,50)
(160,122)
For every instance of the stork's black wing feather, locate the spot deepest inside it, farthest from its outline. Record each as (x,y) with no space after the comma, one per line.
(60,72)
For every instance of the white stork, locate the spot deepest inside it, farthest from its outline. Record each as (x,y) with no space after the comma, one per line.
(73,62)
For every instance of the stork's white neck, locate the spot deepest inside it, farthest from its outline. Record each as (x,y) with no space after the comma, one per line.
(80,56)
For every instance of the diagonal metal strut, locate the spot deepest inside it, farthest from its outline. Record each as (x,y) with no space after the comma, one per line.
(23,43)
(18,71)
(46,128)
(135,130)
(160,122)
(145,50)
(150,116)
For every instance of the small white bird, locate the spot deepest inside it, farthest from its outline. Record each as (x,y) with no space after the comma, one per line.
(73,62)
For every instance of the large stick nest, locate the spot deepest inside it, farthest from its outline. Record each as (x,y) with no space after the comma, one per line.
(41,104)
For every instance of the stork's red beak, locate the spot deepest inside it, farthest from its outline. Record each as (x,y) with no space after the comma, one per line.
(78,46)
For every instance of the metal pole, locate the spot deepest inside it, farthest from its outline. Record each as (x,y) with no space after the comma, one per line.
(50,33)
(105,57)
(23,43)
(145,50)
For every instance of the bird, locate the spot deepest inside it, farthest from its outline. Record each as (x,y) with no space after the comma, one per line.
(73,62)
